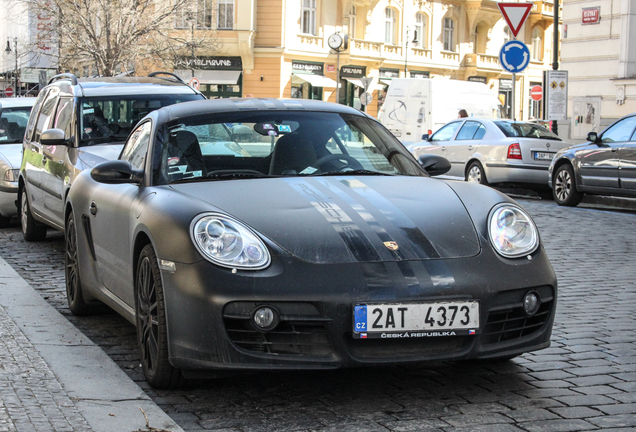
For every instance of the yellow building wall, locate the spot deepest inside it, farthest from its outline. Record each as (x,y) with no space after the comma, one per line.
(269,68)
(269,18)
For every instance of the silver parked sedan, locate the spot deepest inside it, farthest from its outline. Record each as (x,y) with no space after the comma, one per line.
(494,151)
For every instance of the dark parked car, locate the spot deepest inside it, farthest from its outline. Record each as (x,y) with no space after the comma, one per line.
(76,124)
(311,240)
(606,165)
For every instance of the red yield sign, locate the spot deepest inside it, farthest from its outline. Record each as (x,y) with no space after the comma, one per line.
(8,92)
(536,93)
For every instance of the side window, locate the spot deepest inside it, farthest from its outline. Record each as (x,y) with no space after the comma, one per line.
(64,115)
(34,114)
(480,132)
(467,131)
(44,119)
(621,131)
(446,133)
(136,148)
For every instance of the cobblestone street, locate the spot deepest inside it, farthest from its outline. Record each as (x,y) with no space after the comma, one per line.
(585,381)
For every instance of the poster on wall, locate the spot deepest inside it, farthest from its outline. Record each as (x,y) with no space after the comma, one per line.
(555,84)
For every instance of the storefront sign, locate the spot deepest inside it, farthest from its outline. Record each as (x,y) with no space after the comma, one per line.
(312,68)
(389,73)
(591,15)
(353,71)
(420,74)
(481,79)
(209,63)
(505,83)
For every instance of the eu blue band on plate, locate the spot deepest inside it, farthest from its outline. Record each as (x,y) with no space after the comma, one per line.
(360,320)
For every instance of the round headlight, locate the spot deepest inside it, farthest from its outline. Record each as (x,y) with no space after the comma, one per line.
(512,231)
(229,243)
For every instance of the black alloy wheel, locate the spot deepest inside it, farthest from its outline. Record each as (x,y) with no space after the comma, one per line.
(475,173)
(564,187)
(152,334)
(74,295)
(31,230)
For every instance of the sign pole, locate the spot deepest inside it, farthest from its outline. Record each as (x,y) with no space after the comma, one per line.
(514,90)
(555,54)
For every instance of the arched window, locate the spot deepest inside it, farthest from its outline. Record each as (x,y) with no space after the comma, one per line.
(537,45)
(389,26)
(352,22)
(421,22)
(449,34)
(308,17)
(507,34)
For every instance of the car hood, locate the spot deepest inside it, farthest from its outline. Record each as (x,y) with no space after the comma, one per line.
(92,155)
(11,154)
(349,218)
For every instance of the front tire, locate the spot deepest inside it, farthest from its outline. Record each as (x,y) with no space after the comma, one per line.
(32,231)
(564,187)
(74,295)
(475,173)
(150,317)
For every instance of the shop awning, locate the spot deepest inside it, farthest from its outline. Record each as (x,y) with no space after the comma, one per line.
(314,80)
(211,76)
(357,82)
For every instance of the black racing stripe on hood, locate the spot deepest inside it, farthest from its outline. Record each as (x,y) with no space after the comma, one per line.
(356,241)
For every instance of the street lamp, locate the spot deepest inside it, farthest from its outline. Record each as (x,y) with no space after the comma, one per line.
(406,55)
(8,50)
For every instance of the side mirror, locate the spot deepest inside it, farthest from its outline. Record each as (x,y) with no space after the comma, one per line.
(434,165)
(53,137)
(425,137)
(593,137)
(116,172)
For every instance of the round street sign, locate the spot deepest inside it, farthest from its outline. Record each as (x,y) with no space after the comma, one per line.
(366,98)
(514,56)
(8,92)
(195,83)
(536,93)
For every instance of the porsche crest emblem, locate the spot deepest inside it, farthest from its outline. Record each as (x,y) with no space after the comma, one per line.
(391,245)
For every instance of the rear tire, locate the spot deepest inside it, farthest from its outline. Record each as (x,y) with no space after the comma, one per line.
(564,187)
(150,317)
(475,173)
(74,295)
(32,231)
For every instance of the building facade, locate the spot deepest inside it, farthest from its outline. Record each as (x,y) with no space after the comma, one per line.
(599,53)
(279,48)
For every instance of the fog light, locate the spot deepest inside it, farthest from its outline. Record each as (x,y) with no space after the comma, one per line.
(531,303)
(265,318)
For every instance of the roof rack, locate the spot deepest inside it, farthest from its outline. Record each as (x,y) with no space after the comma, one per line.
(177,77)
(62,76)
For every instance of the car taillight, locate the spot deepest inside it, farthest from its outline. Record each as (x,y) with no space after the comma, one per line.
(514,151)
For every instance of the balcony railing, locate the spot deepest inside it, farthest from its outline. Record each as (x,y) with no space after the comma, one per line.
(312,41)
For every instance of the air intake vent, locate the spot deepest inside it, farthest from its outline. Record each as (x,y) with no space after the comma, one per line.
(511,324)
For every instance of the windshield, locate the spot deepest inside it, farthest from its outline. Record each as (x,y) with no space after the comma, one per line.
(285,143)
(13,123)
(111,119)
(525,130)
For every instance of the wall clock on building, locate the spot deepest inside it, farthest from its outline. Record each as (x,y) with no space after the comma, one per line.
(335,41)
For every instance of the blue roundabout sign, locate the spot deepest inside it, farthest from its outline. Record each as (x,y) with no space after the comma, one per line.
(514,56)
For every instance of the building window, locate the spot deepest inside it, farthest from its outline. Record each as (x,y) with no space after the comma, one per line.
(197,13)
(420,29)
(308,17)
(536,43)
(352,22)
(389,26)
(449,34)
(507,34)
(226,15)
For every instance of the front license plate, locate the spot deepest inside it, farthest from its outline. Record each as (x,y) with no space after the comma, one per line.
(543,156)
(415,320)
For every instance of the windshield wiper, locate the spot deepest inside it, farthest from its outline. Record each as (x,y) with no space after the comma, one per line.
(222,175)
(351,172)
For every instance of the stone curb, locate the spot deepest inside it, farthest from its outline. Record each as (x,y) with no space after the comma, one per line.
(105,396)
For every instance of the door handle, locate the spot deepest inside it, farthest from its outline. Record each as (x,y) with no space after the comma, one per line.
(443,147)
(471,147)
(93,208)
(614,149)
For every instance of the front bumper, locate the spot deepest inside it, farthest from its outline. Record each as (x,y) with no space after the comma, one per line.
(8,198)
(209,310)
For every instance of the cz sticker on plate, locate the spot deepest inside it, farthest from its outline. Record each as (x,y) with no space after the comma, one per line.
(392,321)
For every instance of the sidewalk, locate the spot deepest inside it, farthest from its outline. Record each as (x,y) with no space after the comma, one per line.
(53,378)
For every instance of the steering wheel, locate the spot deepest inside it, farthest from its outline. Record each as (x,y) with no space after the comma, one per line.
(351,162)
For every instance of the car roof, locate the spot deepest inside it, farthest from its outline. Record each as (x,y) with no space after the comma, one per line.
(16,102)
(122,86)
(213,106)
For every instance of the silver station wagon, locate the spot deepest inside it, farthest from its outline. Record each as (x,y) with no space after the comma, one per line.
(495,151)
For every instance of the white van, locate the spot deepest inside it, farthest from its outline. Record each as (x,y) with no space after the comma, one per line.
(419,106)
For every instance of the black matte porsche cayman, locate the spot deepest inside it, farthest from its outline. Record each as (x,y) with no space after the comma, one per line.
(288,234)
